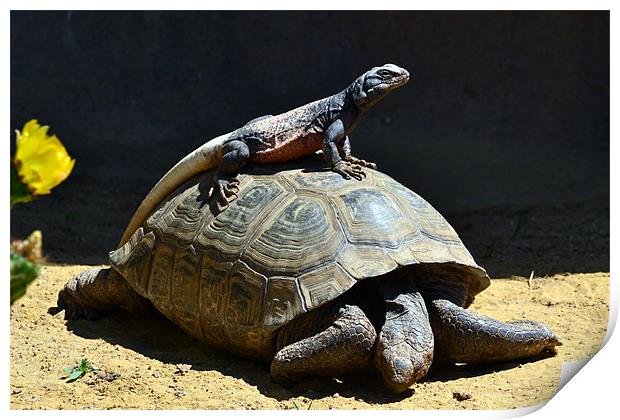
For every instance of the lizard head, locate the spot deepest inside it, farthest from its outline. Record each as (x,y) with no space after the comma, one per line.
(372,86)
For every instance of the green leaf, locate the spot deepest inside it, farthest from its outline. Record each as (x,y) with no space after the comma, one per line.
(75,376)
(23,272)
(80,369)
(19,192)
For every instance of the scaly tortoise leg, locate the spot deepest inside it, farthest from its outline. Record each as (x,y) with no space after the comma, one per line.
(344,346)
(95,293)
(405,343)
(463,336)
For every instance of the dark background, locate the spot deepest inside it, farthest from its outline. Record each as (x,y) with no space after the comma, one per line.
(504,126)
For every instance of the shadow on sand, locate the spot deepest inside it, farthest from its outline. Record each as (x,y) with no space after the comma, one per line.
(157,338)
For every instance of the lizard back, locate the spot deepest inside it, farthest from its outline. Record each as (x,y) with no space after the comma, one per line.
(286,136)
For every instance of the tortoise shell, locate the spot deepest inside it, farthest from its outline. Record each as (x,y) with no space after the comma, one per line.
(293,240)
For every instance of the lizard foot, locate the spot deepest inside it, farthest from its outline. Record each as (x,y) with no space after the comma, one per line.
(348,170)
(225,191)
(361,162)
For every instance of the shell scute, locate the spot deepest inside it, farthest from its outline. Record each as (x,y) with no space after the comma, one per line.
(283,300)
(214,291)
(178,223)
(245,306)
(429,221)
(228,231)
(325,181)
(133,260)
(160,279)
(299,236)
(369,217)
(245,298)
(185,290)
(366,261)
(322,285)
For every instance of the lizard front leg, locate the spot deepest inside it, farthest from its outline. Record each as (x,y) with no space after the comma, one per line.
(225,182)
(344,148)
(334,134)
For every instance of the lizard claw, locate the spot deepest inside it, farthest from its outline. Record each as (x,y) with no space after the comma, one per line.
(361,162)
(225,191)
(349,171)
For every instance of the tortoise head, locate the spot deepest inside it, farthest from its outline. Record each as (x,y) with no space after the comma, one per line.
(372,86)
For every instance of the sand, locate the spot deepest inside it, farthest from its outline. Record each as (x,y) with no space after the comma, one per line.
(141,360)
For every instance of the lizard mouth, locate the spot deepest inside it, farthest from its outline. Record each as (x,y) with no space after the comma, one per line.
(391,84)
(399,80)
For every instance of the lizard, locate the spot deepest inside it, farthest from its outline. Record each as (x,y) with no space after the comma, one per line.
(324,124)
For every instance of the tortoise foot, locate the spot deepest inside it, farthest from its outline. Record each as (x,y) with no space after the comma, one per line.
(405,345)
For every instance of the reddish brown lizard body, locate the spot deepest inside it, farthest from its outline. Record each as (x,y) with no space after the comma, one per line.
(276,139)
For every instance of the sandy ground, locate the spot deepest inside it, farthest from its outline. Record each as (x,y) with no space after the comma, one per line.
(139,358)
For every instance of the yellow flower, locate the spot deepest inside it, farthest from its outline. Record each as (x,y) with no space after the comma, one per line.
(41,161)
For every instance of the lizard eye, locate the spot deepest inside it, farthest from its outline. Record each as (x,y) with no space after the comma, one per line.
(384,73)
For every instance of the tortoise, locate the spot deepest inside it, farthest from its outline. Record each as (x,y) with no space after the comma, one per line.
(317,274)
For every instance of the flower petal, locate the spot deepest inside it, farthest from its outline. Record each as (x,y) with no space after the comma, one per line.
(42,161)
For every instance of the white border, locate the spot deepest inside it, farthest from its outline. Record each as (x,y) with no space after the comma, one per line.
(591,395)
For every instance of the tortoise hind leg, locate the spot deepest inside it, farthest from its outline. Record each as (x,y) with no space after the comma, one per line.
(95,293)
(344,346)
(463,336)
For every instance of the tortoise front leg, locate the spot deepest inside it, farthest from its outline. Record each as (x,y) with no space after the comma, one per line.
(344,346)
(405,343)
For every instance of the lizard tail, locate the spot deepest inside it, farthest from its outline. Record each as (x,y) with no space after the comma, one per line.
(203,158)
